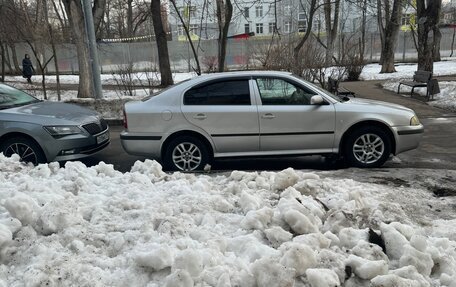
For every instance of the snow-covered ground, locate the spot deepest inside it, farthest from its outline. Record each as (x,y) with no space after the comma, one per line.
(404,70)
(79,226)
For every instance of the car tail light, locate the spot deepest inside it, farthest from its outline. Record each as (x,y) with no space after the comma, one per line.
(125,123)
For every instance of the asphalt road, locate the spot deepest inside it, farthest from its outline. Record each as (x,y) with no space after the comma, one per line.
(436,151)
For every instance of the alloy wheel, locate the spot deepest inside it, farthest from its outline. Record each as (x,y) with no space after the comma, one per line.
(368,148)
(186,156)
(25,152)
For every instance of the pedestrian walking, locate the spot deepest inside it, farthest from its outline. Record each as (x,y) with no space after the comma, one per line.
(27,68)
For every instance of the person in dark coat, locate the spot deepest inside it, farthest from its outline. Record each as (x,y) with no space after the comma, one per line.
(27,68)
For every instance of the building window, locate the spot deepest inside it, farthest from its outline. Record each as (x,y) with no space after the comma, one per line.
(246,12)
(302,16)
(247,28)
(287,27)
(302,26)
(259,28)
(405,20)
(287,10)
(188,11)
(259,11)
(193,29)
(272,25)
(180,30)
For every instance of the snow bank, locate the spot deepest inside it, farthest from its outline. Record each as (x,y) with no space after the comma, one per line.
(80,226)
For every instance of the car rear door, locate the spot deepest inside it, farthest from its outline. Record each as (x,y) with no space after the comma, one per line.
(226,110)
(288,122)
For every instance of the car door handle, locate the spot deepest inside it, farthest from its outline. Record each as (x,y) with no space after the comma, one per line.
(268,116)
(200,117)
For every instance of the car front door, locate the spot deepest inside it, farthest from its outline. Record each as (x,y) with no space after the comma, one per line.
(288,122)
(226,110)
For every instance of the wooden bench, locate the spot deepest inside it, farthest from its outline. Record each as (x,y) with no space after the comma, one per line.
(422,79)
(333,87)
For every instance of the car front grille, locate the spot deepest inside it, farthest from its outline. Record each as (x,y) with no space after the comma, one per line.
(95,128)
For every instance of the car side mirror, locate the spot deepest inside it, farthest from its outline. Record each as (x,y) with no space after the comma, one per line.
(317,100)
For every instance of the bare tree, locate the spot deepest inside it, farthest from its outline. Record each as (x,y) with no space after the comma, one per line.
(389,18)
(74,11)
(428,17)
(224,15)
(162,44)
(332,24)
(310,8)
(185,25)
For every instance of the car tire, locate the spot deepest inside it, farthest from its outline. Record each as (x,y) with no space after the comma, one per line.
(187,154)
(367,147)
(27,149)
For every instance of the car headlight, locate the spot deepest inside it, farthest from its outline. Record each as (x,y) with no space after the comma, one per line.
(414,121)
(63,130)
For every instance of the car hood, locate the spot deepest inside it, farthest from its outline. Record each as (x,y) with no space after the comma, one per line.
(372,103)
(54,112)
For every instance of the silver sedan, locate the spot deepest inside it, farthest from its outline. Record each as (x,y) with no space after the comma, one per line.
(263,113)
(40,131)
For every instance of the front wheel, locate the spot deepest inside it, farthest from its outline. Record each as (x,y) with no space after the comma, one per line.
(367,147)
(186,153)
(27,149)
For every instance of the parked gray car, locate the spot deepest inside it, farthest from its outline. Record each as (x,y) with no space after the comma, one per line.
(40,131)
(263,113)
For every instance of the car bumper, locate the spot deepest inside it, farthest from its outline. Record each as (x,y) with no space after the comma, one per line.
(141,144)
(77,146)
(408,137)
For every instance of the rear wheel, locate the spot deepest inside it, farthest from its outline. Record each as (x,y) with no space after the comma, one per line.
(367,147)
(186,153)
(27,149)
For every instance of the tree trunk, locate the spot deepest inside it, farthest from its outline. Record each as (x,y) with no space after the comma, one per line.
(390,34)
(2,52)
(187,32)
(224,15)
(54,52)
(162,44)
(130,18)
(437,38)
(14,57)
(331,24)
(428,17)
(74,10)
(303,40)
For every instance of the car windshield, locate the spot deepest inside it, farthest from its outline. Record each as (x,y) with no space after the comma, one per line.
(11,97)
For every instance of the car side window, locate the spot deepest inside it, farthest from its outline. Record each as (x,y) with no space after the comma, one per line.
(275,91)
(233,92)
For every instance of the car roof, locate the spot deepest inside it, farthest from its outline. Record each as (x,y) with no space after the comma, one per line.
(241,74)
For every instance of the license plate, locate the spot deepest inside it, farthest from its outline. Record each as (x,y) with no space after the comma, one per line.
(103,137)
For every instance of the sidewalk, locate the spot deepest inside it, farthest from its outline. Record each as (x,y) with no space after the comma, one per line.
(373,90)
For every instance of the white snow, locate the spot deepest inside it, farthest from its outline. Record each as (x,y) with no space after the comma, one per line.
(95,226)
(406,70)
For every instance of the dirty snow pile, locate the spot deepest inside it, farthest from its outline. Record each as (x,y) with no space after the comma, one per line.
(80,226)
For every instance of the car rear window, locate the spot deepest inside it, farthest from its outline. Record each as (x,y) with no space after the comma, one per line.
(232,92)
